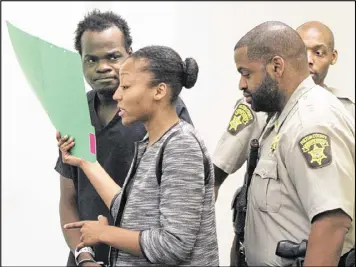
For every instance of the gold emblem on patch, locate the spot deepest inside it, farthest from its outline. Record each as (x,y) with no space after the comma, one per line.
(316,149)
(241,118)
(274,143)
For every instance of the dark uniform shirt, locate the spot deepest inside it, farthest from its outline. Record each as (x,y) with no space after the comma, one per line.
(115,150)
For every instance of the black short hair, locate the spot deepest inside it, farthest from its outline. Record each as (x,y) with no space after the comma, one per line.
(100,21)
(274,38)
(167,67)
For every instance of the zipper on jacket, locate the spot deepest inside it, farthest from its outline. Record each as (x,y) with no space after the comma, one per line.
(132,176)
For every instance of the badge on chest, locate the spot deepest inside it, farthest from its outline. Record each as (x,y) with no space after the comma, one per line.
(274,143)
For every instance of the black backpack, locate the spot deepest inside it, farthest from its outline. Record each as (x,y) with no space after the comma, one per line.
(160,159)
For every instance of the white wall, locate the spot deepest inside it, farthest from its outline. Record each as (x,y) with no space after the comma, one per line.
(206,31)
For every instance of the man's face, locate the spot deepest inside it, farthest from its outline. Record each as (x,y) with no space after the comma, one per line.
(102,55)
(320,54)
(259,88)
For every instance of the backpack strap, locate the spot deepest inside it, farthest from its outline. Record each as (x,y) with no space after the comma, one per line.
(159,159)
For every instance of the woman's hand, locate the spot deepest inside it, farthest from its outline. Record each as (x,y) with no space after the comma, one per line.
(98,177)
(91,231)
(65,146)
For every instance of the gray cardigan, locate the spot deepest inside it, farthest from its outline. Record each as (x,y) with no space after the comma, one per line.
(176,219)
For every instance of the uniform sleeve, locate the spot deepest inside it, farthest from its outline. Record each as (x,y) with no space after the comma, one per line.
(350,106)
(182,111)
(346,100)
(321,163)
(65,170)
(231,151)
(181,204)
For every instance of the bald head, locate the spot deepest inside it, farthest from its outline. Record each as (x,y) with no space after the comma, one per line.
(319,41)
(317,30)
(274,38)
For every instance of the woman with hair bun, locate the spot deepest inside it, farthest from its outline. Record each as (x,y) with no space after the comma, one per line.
(164,213)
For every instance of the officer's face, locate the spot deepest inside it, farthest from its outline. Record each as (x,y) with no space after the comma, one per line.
(259,88)
(134,96)
(320,54)
(102,55)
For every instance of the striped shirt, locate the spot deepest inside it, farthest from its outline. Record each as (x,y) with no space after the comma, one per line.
(176,219)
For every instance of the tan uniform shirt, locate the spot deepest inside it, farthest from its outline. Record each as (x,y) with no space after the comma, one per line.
(232,149)
(306,167)
(244,125)
(345,100)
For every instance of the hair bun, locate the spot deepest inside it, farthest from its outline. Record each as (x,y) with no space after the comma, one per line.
(191,69)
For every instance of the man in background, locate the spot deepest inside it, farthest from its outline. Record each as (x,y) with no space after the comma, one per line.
(319,40)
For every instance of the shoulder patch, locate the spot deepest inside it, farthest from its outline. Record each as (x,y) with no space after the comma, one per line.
(316,150)
(241,118)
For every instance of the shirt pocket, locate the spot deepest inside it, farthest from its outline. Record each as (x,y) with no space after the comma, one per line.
(266,192)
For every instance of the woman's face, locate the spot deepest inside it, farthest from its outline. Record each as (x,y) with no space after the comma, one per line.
(134,96)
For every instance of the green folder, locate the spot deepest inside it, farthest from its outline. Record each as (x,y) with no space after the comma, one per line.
(55,75)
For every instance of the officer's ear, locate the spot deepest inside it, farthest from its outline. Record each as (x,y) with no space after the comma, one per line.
(334,57)
(276,66)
